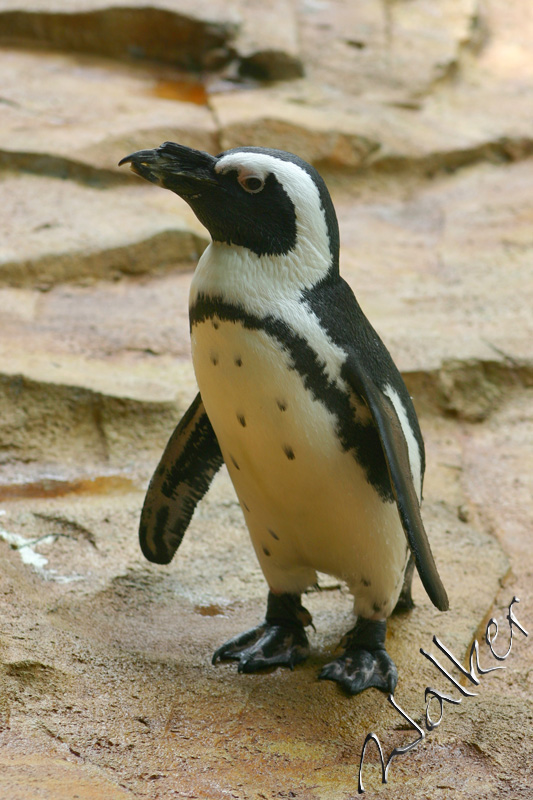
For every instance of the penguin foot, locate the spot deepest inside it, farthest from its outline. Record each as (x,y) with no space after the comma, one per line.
(365,663)
(265,646)
(403,605)
(279,641)
(361,669)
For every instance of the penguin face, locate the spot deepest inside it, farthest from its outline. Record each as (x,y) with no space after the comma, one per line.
(267,201)
(248,207)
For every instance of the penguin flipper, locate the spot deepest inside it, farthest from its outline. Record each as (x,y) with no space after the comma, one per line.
(405,600)
(397,458)
(189,463)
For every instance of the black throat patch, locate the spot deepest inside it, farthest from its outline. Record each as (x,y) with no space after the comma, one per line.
(264,223)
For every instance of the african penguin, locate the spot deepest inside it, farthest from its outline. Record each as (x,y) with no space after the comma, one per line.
(301,400)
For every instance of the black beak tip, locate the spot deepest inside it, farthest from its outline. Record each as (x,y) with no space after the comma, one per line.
(140,157)
(143,164)
(172,166)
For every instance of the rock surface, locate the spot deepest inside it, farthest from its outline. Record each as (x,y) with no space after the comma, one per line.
(181,33)
(163,31)
(55,231)
(418,115)
(94,111)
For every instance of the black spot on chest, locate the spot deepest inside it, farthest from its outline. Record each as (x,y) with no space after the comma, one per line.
(359,437)
(289,452)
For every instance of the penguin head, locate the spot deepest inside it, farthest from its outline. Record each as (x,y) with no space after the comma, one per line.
(270,202)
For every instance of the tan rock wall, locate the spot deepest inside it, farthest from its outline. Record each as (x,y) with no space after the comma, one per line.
(418,114)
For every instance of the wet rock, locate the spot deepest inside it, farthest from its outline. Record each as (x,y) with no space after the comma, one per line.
(498,483)
(458,252)
(49,487)
(92,114)
(24,774)
(362,133)
(426,96)
(32,674)
(160,31)
(140,624)
(57,422)
(136,320)
(105,658)
(316,135)
(55,231)
(263,40)
(394,51)
(467,391)
(267,41)
(89,387)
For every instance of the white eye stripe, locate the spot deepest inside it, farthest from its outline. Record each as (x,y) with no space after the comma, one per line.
(298,185)
(251,183)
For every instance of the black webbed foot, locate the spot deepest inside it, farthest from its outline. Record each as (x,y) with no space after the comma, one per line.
(265,646)
(279,641)
(365,663)
(362,670)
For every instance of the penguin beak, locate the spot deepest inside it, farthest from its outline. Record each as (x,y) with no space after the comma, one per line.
(181,169)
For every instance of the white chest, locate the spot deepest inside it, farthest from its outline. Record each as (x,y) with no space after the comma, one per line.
(256,400)
(307,502)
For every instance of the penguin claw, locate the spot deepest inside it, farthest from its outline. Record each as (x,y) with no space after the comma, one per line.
(234,647)
(359,669)
(265,646)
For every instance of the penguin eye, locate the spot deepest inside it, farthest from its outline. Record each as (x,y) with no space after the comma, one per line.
(252,183)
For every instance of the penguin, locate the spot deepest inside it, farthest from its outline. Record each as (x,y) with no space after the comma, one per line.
(301,400)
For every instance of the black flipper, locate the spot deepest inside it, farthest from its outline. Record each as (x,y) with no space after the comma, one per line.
(191,459)
(397,458)
(405,600)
